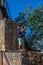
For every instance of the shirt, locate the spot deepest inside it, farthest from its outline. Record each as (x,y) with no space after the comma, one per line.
(19,34)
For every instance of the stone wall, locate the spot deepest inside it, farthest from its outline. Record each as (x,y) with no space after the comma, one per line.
(21,58)
(8,39)
(2,34)
(33,58)
(8,35)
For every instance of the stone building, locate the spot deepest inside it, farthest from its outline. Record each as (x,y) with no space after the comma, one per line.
(8,35)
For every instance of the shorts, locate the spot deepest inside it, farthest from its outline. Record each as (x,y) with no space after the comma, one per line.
(20,41)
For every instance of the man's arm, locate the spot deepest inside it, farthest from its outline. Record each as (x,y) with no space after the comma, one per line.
(22,29)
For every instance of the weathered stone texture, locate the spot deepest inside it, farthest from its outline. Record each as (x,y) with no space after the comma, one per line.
(1,60)
(2,41)
(8,35)
(13,58)
(22,58)
(33,58)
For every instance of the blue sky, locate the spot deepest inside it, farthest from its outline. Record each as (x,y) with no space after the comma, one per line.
(17,6)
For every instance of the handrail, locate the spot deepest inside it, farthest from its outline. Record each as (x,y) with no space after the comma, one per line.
(5,3)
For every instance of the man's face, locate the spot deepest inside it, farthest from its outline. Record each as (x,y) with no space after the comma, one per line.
(18,27)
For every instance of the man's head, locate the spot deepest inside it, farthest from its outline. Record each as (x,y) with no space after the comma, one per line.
(18,26)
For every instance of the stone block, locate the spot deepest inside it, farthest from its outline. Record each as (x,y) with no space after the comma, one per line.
(12,58)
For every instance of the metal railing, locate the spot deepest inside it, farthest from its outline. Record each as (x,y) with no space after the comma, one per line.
(5,4)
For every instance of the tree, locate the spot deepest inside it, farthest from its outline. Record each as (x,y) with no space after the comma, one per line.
(34,19)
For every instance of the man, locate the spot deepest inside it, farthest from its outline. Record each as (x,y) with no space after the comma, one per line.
(20,30)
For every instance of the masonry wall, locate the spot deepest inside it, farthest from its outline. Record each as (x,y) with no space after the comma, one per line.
(8,35)
(21,58)
(9,55)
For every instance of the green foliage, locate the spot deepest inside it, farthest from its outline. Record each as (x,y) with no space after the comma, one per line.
(34,19)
